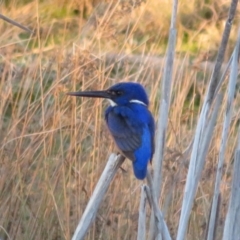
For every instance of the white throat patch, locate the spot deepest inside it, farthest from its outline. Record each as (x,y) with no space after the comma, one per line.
(137,101)
(112,103)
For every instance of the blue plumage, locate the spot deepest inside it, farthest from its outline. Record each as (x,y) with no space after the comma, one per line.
(129,122)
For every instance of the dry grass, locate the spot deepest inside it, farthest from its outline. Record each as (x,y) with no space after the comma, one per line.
(53,148)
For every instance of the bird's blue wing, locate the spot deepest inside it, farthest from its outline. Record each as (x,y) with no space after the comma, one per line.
(133,132)
(125,129)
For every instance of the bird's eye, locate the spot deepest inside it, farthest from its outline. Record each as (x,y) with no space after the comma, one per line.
(115,93)
(119,93)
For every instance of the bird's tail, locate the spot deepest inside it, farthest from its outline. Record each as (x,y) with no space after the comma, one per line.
(140,171)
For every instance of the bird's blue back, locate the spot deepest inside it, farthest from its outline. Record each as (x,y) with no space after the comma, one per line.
(132,127)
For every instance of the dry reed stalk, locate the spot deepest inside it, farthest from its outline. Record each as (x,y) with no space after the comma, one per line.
(232,222)
(142,215)
(195,171)
(197,161)
(113,163)
(16,24)
(163,111)
(162,231)
(225,132)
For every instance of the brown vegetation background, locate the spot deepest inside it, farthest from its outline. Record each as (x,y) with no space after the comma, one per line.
(53,148)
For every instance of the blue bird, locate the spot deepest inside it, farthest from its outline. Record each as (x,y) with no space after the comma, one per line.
(129,121)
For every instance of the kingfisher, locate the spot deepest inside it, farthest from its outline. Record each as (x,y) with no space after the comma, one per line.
(129,121)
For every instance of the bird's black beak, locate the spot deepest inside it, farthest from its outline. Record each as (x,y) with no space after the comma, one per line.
(94,94)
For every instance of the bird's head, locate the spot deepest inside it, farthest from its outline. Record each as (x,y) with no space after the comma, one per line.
(119,94)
